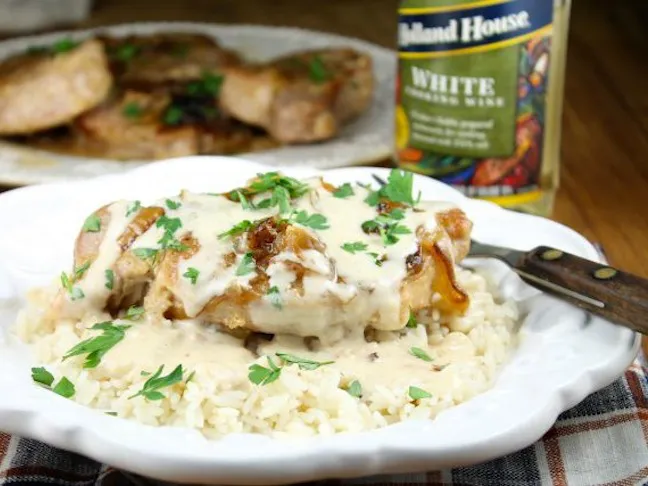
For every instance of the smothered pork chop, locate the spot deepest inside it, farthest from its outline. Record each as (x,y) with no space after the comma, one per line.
(283,306)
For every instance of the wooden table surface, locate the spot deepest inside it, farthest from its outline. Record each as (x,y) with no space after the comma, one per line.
(604,188)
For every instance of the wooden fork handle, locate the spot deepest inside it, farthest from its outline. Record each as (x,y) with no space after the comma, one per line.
(608,292)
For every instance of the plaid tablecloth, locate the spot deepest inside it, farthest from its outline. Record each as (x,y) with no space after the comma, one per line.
(603,440)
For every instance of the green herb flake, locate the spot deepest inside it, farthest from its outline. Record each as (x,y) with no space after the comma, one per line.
(125,52)
(412,322)
(303,363)
(417,393)
(112,414)
(133,207)
(132,110)
(152,386)
(192,275)
(42,376)
(245,204)
(354,247)
(110,279)
(75,293)
(65,388)
(190,377)
(275,297)
(355,389)
(64,45)
(247,265)
(344,191)
(134,313)
(209,85)
(237,229)
(172,115)
(317,70)
(96,347)
(282,198)
(420,354)
(146,254)
(80,271)
(260,375)
(315,221)
(92,224)
(171,204)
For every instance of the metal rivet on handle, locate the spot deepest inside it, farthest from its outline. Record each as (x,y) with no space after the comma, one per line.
(605,273)
(551,255)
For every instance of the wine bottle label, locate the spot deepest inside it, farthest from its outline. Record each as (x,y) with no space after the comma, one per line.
(471,93)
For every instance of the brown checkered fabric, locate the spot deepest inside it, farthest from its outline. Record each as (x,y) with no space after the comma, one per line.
(602,441)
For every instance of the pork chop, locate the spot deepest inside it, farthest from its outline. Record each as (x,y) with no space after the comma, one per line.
(50,86)
(303,97)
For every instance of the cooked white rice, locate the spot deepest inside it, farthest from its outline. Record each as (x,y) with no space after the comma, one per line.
(219,401)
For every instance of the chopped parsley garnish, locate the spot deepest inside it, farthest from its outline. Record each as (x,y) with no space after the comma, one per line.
(303,363)
(316,221)
(112,414)
(42,376)
(260,375)
(317,70)
(247,265)
(75,293)
(152,386)
(134,312)
(92,224)
(169,224)
(172,116)
(354,247)
(344,191)
(275,297)
(168,240)
(64,45)
(132,110)
(387,226)
(125,52)
(146,254)
(417,393)
(355,389)
(133,207)
(192,275)
(398,189)
(245,204)
(412,322)
(110,279)
(79,271)
(268,181)
(96,347)
(209,85)
(282,198)
(237,229)
(190,377)
(171,204)
(378,259)
(64,387)
(420,354)
(180,50)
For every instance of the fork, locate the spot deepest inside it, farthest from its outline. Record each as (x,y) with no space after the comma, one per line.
(600,289)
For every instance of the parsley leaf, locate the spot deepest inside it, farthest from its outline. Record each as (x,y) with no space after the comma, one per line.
(75,292)
(417,393)
(133,207)
(145,254)
(282,198)
(169,224)
(317,70)
(275,297)
(96,347)
(92,224)
(151,387)
(209,85)
(420,354)
(79,271)
(354,247)
(110,279)
(316,221)
(132,110)
(192,275)
(399,187)
(172,115)
(237,229)
(344,191)
(65,388)
(245,204)
(303,363)
(134,312)
(173,204)
(42,376)
(259,375)
(355,389)
(64,45)
(125,52)
(412,322)
(247,265)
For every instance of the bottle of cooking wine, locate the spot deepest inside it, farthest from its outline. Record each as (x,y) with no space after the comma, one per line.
(479,96)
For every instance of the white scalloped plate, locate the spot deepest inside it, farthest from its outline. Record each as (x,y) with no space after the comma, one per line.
(564,356)
(366,140)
